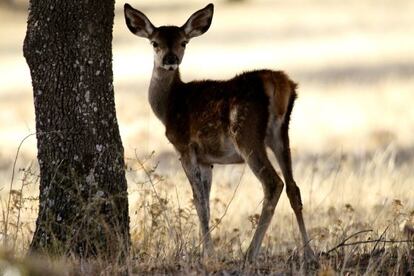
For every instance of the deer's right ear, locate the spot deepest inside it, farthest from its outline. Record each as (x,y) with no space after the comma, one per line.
(137,22)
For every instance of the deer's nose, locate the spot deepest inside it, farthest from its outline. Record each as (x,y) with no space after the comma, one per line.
(170,59)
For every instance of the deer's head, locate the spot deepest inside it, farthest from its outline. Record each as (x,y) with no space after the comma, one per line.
(169,42)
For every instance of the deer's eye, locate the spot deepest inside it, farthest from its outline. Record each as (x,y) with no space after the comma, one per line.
(184,43)
(154,44)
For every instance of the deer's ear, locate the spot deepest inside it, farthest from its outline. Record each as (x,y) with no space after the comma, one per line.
(199,22)
(137,22)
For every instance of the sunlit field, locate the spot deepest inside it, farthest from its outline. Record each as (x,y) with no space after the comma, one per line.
(352,139)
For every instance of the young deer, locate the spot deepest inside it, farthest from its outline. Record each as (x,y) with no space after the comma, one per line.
(222,122)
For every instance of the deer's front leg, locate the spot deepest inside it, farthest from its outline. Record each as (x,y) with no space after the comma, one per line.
(200,176)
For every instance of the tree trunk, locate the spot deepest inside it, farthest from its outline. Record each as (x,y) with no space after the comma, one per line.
(83,203)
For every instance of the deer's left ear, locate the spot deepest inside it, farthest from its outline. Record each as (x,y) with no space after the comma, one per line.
(199,22)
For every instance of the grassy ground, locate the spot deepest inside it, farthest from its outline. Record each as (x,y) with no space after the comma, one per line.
(352,136)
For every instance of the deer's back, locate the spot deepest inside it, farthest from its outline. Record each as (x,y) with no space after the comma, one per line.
(208,113)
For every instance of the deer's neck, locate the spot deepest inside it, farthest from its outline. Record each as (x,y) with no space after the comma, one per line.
(162,83)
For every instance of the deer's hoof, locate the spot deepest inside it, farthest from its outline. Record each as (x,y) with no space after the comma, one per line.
(311,260)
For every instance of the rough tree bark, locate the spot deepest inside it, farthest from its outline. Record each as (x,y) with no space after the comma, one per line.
(83,204)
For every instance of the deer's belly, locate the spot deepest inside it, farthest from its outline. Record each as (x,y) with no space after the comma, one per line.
(218,151)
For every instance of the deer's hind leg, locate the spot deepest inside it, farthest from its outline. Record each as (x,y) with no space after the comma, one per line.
(251,146)
(200,176)
(272,187)
(278,140)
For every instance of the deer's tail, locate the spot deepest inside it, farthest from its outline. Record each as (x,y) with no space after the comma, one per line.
(281,91)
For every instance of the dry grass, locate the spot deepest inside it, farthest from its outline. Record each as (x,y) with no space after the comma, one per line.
(352,135)
(357,221)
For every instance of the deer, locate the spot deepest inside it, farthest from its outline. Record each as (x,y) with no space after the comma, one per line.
(222,122)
